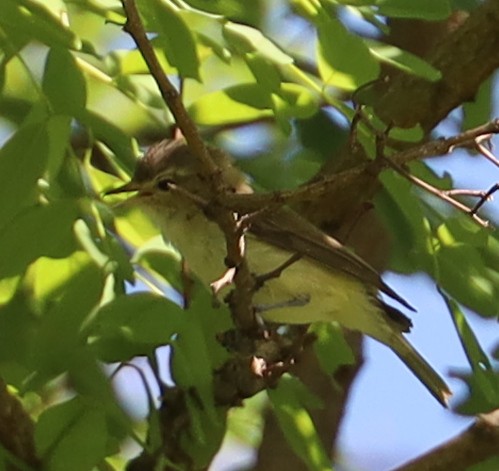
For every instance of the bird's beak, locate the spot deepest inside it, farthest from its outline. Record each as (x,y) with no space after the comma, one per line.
(127,187)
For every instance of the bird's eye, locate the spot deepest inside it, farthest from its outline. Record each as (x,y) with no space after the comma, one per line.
(164,184)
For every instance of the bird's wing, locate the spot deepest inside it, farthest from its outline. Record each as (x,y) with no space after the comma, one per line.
(288,230)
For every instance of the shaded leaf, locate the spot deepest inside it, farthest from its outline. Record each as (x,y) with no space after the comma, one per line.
(465,265)
(484,383)
(23,159)
(71,432)
(297,426)
(265,73)
(176,38)
(403,214)
(331,347)
(134,325)
(36,21)
(40,231)
(430,10)
(479,110)
(58,344)
(64,83)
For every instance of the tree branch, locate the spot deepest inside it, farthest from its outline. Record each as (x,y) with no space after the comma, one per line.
(465,58)
(477,443)
(241,298)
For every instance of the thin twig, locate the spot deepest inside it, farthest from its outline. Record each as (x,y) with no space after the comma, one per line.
(477,443)
(484,151)
(465,192)
(171,96)
(241,301)
(247,203)
(438,193)
(484,198)
(445,145)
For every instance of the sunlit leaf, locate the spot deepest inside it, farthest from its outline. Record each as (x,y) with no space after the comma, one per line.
(406,62)
(235,104)
(245,39)
(344,59)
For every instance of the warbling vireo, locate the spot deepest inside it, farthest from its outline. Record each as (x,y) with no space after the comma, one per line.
(327,283)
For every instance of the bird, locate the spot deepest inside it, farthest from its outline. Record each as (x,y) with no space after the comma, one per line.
(323,281)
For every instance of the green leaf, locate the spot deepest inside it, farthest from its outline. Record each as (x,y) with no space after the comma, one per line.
(402,212)
(430,10)
(71,435)
(40,231)
(245,39)
(491,464)
(48,278)
(59,133)
(465,265)
(35,20)
(344,59)
(297,426)
(197,351)
(135,325)
(265,73)
(176,38)
(22,162)
(209,29)
(64,83)
(196,354)
(58,344)
(295,101)
(405,61)
(331,347)
(484,384)
(18,328)
(110,134)
(88,241)
(157,257)
(236,104)
(479,110)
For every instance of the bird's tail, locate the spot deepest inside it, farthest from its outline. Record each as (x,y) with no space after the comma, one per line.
(420,367)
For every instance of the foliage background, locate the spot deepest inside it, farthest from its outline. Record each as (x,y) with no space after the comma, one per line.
(76,103)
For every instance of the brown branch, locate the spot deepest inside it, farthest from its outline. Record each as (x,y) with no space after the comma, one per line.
(171,96)
(477,443)
(241,299)
(247,203)
(445,146)
(16,433)
(465,58)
